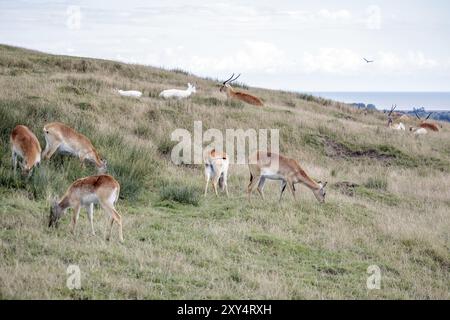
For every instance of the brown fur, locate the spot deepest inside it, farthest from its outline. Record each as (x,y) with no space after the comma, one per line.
(289,169)
(25,142)
(429,126)
(102,186)
(245,97)
(57,133)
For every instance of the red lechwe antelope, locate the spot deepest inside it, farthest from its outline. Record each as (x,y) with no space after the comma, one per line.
(25,144)
(60,137)
(263,165)
(216,169)
(85,192)
(427,125)
(234,94)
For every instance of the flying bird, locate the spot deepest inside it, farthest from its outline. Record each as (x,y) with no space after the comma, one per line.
(368,61)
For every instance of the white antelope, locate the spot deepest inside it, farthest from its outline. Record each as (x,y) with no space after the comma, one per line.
(85,192)
(216,169)
(418,131)
(60,137)
(25,145)
(130,93)
(178,94)
(266,165)
(395,126)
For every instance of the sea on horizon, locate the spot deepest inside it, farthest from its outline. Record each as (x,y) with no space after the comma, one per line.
(406,101)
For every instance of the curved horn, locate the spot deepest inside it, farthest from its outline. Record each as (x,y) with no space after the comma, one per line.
(236,78)
(229,79)
(392,109)
(429,116)
(415,112)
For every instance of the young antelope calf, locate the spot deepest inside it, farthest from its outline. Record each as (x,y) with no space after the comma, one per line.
(25,145)
(60,137)
(216,169)
(85,192)
(263,165)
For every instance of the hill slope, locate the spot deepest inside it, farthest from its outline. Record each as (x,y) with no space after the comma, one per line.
(388,198)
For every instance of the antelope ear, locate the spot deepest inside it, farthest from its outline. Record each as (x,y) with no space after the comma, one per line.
(319,182)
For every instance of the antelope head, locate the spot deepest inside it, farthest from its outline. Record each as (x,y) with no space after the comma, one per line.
(390,121)
(227,82)
(321,192)
(103,168)
(55,214)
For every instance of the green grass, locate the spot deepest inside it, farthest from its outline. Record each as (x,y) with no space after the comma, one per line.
(387,199)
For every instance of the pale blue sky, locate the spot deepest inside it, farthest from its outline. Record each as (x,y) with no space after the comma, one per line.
(293,45)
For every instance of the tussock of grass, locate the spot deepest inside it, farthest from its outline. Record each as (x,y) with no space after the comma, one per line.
(180,194)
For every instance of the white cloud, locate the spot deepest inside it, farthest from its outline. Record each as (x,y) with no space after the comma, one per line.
(264,57)
(342,15)
(373,17)
(321,16)
(330,60)
(348,62)
(254,56)
(412,61)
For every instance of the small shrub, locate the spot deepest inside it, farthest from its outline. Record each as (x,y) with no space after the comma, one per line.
(180,194)
(165,146)
(377,184)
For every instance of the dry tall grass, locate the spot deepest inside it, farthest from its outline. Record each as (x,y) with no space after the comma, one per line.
(393,212)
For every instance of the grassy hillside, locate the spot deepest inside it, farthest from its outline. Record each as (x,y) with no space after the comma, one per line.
(388,200)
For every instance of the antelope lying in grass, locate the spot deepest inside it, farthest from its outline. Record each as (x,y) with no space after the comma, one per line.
(234,94)
(85,192)
(427,125)
(60,137)
(418,131)
(130,93)
(263,165)
(25,145)
(399,126)
(178,94)
(216,169)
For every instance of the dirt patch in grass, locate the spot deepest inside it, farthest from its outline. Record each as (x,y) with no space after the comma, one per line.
(384,153)
(345,187)
(338,150)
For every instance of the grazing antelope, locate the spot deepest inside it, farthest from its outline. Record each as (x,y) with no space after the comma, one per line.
(85,192)
(427,125)
(234,94)
(216,169)
(263,165)
(60,137)
(25,144)
(395,126)
(178,94)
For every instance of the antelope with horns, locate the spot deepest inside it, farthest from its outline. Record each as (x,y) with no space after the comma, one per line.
(85,192)
(263,165)
(216,169)
(60,137)
(25,145)
(427,125)
(235,94)
(178,94)
(395,126)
